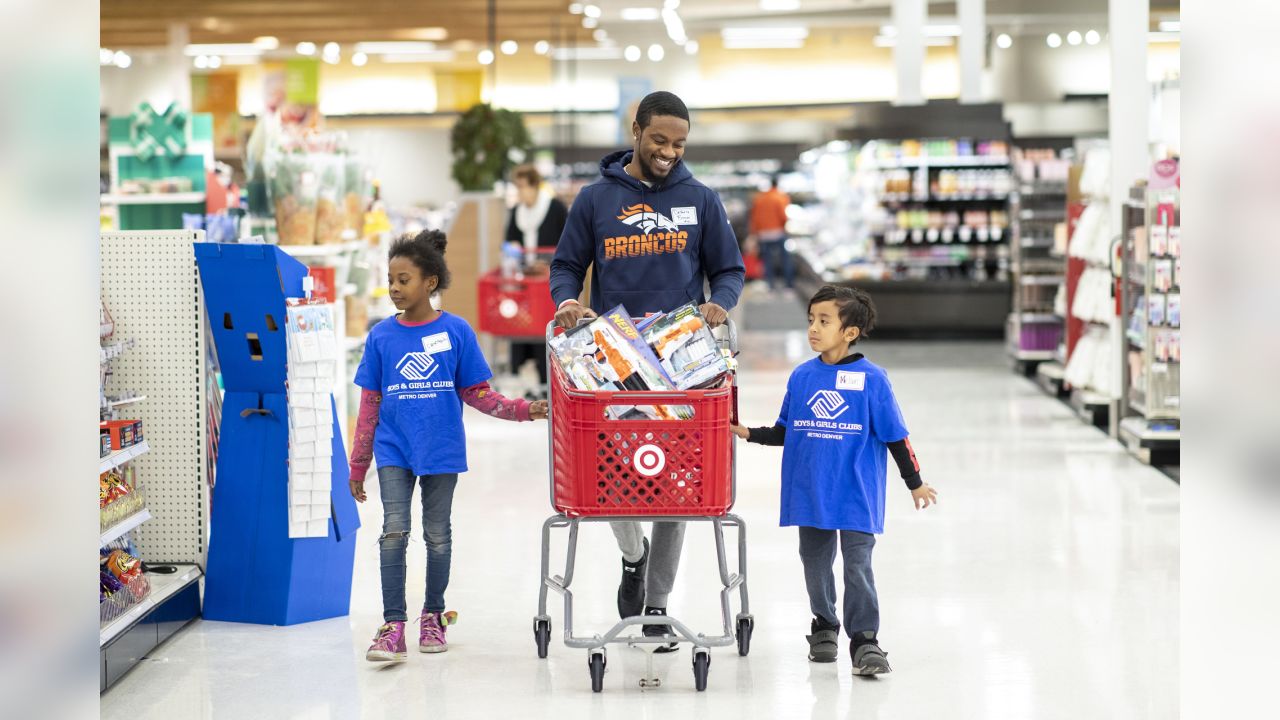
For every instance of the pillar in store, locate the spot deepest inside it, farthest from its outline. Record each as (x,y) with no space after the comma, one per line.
(973,42)
(179,66)
(908,50)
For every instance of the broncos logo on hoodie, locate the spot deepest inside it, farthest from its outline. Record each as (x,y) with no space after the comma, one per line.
(647,219)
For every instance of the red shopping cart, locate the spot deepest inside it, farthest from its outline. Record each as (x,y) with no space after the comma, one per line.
(517,306)
(612,470)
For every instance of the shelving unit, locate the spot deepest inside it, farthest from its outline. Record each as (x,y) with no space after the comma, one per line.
(120,457)
(188,198)
(1038,208)
(1150,357)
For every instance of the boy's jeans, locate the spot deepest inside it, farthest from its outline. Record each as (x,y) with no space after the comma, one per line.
(818,553)
(395,485)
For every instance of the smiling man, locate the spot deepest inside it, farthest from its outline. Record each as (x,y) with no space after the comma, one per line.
(655,238)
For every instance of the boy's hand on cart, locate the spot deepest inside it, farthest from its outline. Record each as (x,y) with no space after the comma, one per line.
(568,316)
(538,410)
(713,314)
(924,496)
(740,431)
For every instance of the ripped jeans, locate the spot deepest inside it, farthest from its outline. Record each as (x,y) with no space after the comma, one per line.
(395,486)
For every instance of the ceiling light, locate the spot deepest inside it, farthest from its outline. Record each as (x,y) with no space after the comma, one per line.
(422,33)
(224,49)
(332,59)
(575,8)
(359,59)
(381,48)
(675,27)
(209,23)
(1054,40)
(1003,41)
(656,52)
(1170,26)
(640,14)
(122,59)
(105,56)
(542,47)
(591,11)
(306,48)
(791,32)
(1074,37)
(1092,37)
(632,53)
(590,23)
(779,5)
(485,57)
(332,48)
(266,42)
(600,35)
(691,47)
(202,63)
(215,62)
(510,47)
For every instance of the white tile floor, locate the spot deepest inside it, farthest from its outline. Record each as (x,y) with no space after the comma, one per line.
(1044,585)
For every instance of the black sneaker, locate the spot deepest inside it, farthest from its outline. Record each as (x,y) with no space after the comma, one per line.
(631,589)
(868,658)
(824,641)
(660,630)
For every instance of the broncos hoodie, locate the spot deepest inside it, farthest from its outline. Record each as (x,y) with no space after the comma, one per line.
(650,248)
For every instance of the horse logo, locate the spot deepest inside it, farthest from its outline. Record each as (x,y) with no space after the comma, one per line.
(648,220)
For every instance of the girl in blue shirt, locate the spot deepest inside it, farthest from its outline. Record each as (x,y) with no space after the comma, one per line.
(419,367)
(838,422)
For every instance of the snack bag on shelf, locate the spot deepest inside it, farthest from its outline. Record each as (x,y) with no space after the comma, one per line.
(686,349)
(292,188)
(331,213)
(357,192)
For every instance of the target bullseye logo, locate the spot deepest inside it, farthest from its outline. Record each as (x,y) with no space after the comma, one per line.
(649,460)
(508,308)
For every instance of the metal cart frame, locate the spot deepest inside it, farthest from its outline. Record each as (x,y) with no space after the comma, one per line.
(734,629)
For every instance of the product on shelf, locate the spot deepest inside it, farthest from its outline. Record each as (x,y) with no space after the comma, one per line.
(104,438)
(331,213)
(356,192)
(123,433)
(293,188)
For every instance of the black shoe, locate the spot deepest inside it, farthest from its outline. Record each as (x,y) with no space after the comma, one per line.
(660,630)
(868,658)
(631,589)
(824,641)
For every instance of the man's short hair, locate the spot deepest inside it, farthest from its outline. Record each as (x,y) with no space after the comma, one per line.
(660,103)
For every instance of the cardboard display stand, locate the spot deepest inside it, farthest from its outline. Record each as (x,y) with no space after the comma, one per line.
(255,572)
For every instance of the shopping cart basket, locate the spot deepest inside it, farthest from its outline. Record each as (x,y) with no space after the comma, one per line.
(519,306)
(642,470)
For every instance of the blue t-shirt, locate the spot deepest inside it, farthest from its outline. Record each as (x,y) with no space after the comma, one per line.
(839,421)
(419,370)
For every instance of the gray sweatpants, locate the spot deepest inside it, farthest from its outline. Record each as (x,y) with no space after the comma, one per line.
(664,555)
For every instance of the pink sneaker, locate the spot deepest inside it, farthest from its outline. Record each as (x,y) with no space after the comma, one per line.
(431,639)
(388,644)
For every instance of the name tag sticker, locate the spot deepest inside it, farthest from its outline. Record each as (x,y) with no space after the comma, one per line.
(437,343)
(849,380)
(685,215)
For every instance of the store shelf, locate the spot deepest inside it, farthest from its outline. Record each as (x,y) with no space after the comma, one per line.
(1144,442)
(189,198)
(1034,355)
(110,352)
(162,588)
(1055,215)
(1032,243)
(321,251)
(942,198)
(125,525)
(120,457)
(1040,279)
(947,162)
(1033,317)
(126,401)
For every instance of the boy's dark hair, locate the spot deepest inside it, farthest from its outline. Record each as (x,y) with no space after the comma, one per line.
(856,308)
(426,250)
(660,103)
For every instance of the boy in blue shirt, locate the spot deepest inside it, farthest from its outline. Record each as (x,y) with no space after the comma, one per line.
(838,419)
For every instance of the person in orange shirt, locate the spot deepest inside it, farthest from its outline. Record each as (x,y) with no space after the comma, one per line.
(769,228)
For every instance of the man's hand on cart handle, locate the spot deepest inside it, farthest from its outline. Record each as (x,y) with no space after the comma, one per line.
(713,314)
(570,313)
(538,410)
(740,431)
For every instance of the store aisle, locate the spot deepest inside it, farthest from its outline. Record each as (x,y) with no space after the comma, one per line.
(1044,585)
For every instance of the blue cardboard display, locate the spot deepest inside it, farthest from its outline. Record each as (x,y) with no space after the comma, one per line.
(256,573)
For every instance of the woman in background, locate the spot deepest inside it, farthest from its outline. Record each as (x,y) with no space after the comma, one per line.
(535,224)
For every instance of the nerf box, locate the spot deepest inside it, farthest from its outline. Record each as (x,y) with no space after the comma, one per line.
(686,349)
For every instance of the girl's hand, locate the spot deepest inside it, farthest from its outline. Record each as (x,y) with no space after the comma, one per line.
(740,431)
(924,494)
(538,410)
(357,490)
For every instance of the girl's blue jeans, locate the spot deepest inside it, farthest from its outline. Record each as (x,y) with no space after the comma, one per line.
(395,485)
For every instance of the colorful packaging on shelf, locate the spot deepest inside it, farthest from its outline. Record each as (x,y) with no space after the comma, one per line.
(123,433)
(1173,310)
(1175,346)
(104,440)
(610,354)
(1161,350)
(1155,310)
(686,349)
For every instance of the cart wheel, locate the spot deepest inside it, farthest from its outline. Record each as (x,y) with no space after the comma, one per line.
(596,664)
(542,636)
(745,626)
(701,664)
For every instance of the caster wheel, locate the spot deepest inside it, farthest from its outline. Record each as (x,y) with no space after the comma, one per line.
(542,636)
(745,626)
(701,664)
(596,664)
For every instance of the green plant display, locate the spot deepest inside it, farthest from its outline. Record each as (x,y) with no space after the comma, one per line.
(484,140)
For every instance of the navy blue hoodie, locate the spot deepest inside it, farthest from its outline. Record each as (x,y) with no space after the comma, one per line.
(650,248)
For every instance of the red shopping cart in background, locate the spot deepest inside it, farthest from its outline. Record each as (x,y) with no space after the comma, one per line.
(604,469)
(517,305)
